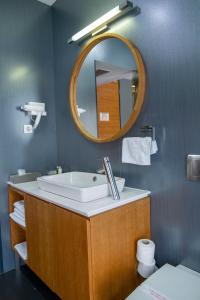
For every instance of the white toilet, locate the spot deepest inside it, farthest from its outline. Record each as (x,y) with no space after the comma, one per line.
(169,283)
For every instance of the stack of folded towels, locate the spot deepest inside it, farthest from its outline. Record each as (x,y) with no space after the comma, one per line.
(18,215)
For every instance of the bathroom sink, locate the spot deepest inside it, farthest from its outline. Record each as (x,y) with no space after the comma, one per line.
(79,186)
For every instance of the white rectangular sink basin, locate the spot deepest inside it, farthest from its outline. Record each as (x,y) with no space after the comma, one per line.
(79,186)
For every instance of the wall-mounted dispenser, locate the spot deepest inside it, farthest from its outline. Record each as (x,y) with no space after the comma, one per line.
(35,110)
(193,167)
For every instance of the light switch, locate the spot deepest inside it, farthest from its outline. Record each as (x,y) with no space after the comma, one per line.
(28,128)
(104,116)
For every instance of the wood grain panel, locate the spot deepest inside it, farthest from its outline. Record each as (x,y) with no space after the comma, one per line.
(40,241)
(108,101)
(18,233)
(114,235)
(73,263)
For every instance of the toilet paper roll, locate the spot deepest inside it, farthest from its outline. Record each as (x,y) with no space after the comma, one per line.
(145,271)
(145,251)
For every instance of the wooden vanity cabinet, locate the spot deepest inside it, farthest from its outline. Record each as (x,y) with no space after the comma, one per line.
(83,258)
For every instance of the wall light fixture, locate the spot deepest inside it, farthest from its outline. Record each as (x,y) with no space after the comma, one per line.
(101,23)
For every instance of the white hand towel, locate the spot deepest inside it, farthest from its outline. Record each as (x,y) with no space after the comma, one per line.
(138,150)
(154,147)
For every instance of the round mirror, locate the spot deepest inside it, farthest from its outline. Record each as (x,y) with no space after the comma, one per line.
(107,88)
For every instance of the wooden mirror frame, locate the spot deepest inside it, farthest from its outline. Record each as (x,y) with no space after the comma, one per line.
(140,93)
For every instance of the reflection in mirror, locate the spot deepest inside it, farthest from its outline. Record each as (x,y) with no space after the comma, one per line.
(115,95)
(107,88)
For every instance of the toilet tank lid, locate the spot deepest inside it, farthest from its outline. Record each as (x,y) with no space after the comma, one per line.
(183,268)
(171,283)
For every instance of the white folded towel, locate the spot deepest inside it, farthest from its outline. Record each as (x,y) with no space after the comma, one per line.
(19,214)
(19,204)
(17,219)
(22,250)
(22,219)
(138,150)
(20,209)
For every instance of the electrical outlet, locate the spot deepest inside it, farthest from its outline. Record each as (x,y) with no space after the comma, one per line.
(28,129)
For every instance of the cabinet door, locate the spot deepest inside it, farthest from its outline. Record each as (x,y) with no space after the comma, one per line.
(40,233)
(73,259)
(114,236)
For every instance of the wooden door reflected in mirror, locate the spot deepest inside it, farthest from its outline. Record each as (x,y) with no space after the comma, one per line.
(108,110)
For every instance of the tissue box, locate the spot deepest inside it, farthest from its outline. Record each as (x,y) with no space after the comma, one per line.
(24,178)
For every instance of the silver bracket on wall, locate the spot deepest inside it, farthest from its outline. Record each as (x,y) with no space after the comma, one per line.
(149,129)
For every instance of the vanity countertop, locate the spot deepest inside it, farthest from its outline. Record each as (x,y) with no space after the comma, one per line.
(87,209)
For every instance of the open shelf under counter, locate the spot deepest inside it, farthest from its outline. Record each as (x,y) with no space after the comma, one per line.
(17,229)
(17,232)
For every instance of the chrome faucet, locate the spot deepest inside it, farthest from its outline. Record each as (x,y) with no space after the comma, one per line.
(107,170)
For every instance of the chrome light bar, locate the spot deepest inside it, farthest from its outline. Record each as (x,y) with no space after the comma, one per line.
(102,22)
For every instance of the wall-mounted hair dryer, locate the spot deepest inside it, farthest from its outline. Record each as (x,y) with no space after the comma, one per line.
(36,109)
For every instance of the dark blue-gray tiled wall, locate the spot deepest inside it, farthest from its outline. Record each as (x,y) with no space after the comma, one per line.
(26,74)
